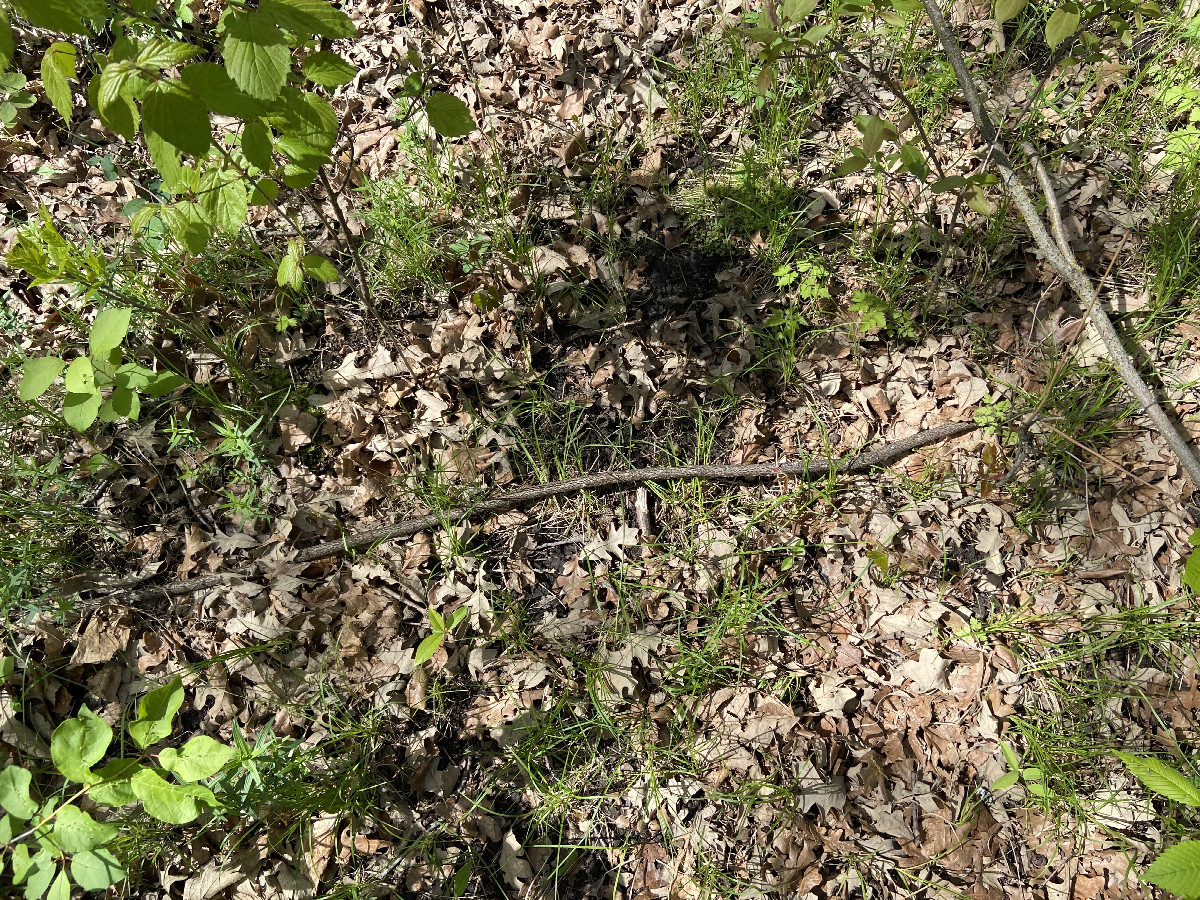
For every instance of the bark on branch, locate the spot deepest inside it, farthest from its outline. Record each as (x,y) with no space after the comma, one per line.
(1056,249)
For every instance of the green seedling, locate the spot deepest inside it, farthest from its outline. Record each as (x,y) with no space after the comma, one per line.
(1176,869)
(441,628)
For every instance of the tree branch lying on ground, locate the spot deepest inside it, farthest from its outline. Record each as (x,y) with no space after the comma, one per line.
(809,469)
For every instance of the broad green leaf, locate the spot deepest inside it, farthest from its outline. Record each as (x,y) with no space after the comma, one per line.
(179,116)
(161,53)
(14,792)
(78,744)
(816,34)
(57,15)
(223,200)
(123,403)
(1177,869)
(8,665)
(39,874)
(914,160)
(114,100)
(163,383)
(80,377)
(428,647)
(320,268)
(6,42)
(80,410)
(436,620)
(94,870)
(448,115)
(977,200)
(113,787)
(794,11)
(1008,9)
(155,712)
(456,619)
(212,84)
(1062,24)
(109,330)
(307,127)
(1164,780)
(256,54)
(37,376)
(328,69)
(165,157)
(20,862)
(874,131)
(58,64)
(462,879)
(61,888)
(949,183)
(10,827)
(75,830)
(256,144)
(264,193)
(855,162)
(1010,756)
(201,757)
(176,804)
(306,17)
(187,225)
(1191,570)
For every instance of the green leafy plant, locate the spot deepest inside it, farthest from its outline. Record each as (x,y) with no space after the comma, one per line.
(875,312)
(440,628)
(99,384)
(1191,569)
(1176,869)
(274,64)
(13,97)
(1031,777)
(53,842)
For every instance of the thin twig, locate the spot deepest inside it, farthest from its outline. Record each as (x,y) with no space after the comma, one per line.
(1064,263)
(816,467)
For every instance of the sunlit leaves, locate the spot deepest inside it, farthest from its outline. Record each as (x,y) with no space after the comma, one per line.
(448,115)
(178,116)
(328,69)
(37,376)
(58,64)
(256,54)
(1063,23)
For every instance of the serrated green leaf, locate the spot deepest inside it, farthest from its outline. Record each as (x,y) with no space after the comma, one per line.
(58,64)
(428,647)
(256,54)
(308,17)
(1162,779)
(1062,24)
(320,268)
(289,273)
(165,157)
(80,410)
(109,330)
(114,100)
(75,830)
(6,42)
(212,84)
(57,15)
(308,127)
(155,713)
(201,757)
(176,804)
(37,376)
(161,53)
(113,787)
(448,115)
(95,870)
(1177,869)
(1008,9)
(187,225)
(14,792)
(78,744)
(257,145)
(222,199)
(174,112)
(80,377)
(328,69)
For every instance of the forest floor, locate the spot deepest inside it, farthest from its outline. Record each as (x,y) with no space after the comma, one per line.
(643,257)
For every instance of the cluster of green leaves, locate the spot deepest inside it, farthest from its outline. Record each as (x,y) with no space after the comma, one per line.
(274,63)
(54,842)
(1176,869)
(103,370)
(875,312)
(1191,569)
(1071,19)
(13,97)
(439,629)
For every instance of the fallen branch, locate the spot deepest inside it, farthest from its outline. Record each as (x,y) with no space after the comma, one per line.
(1057,249)
(807,469)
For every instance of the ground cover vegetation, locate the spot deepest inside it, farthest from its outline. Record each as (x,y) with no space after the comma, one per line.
(282,276)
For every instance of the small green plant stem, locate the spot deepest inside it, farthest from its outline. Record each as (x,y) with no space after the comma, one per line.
(1064,263)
